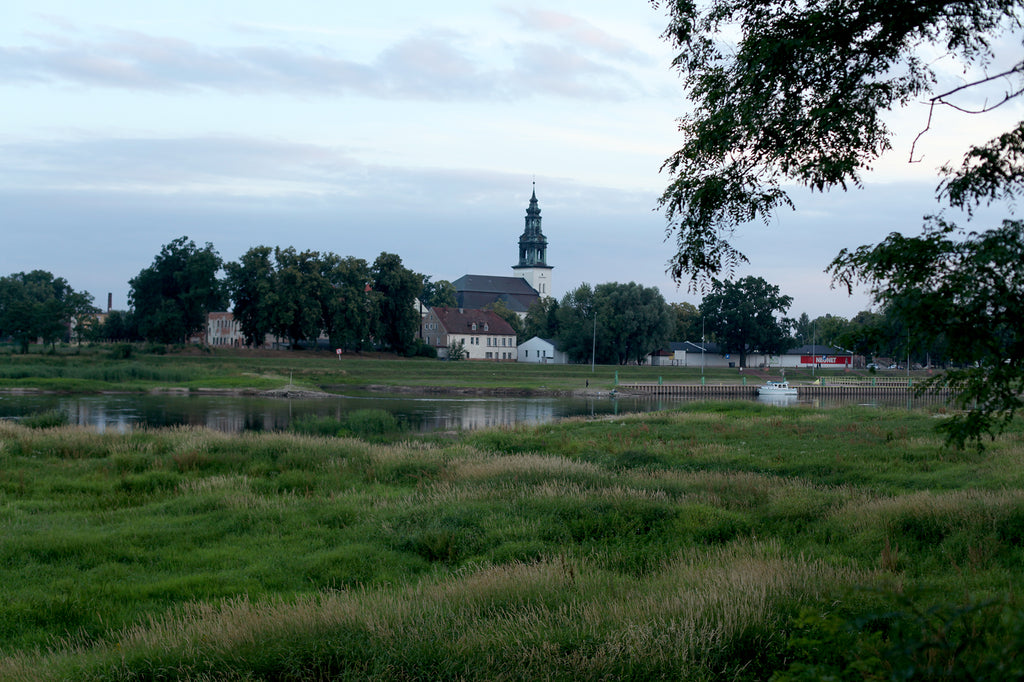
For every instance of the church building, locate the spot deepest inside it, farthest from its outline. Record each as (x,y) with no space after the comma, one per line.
(531,276)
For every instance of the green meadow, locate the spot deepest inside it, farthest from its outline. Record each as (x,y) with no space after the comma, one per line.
(720,541)
(146,368)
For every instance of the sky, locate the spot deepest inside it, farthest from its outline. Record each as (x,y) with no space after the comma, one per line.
(414,128)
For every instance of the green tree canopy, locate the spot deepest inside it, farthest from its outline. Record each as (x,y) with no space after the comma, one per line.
(686,321)
(439,294)
(171,298)
(964,292)
(501,309)
(397,288)
(631,321)
(741,316)
(251,286)
(37,305)
(542,319)
(790,92)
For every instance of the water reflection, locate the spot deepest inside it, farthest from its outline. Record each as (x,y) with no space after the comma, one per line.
(234,414)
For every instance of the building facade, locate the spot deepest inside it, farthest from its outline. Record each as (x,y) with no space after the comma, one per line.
(483,335)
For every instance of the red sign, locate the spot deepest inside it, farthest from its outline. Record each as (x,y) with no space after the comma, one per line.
(826,359)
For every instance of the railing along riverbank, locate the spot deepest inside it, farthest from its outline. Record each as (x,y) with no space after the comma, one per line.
(841,386)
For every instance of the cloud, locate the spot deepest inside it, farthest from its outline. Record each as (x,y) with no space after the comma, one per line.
(436,65)
(576,31)
(223,164)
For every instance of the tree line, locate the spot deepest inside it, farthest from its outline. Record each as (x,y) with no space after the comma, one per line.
(303,296)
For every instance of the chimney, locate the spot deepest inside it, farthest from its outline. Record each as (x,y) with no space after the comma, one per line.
(110,301)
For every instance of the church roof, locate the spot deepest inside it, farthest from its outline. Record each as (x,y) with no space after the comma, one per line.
(492,284)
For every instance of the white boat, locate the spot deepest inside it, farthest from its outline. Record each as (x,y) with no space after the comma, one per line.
(776,388)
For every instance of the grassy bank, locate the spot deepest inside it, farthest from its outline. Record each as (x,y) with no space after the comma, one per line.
(104,369)
(687,545)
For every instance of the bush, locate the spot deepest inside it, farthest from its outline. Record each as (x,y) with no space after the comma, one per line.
(45,420)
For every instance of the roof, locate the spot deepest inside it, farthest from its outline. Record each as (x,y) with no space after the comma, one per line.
(495,285)
(809,349)
(476,291)
(461,320)
(691,347)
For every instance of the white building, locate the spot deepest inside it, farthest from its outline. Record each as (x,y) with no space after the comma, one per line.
(483,334)
(541,351)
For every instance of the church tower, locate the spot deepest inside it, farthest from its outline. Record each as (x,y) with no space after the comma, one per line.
(533,252)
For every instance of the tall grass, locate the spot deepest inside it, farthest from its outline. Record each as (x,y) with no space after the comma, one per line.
(675,545)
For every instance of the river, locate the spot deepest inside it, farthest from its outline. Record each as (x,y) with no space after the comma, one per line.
(420,413)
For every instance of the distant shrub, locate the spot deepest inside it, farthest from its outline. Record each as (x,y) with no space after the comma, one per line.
(45,420)
(121,351)
(359,423)
(364,423)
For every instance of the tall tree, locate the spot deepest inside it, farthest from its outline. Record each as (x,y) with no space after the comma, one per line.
(742,316)
(634,321)
(686,321)
(37,305)
(297,284)
(796,92)
(439,294)
(542,319)
(397,288)
(251,285)
(347,307)
(577,325)
(962,291)
(172,297)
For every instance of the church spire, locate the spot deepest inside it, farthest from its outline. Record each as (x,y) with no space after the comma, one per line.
(533,245)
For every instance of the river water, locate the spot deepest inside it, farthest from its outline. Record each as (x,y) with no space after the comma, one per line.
(421,413)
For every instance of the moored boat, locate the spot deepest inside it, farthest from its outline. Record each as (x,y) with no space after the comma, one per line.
(772,388)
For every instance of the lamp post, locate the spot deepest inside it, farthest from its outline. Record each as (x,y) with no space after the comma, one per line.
(593,344)
(702,344)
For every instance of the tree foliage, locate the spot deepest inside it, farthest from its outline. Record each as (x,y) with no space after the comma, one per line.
(542,319)
(397,288)
(966,292)
(439,294)
(741,316)
(301,295)
(171,298)
(796,92)
(631,322)
(37,305)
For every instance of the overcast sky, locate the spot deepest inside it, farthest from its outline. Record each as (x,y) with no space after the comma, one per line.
(409,127)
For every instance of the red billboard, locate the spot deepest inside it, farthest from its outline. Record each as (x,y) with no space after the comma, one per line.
(826,359)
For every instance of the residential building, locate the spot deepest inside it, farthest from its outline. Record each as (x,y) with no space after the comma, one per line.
(483,334)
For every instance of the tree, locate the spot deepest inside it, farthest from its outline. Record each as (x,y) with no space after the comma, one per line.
(686,320)
(799,97)
(964,291)
(120,326)
(501,309)
(633,322)
(250,284)
(397,288)
(576,323)
(171,298)
(542,319)
(741,316)
(439,294)
(347,308)
(37,305)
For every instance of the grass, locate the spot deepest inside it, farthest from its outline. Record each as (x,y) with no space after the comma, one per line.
(689,544)
(92,369)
